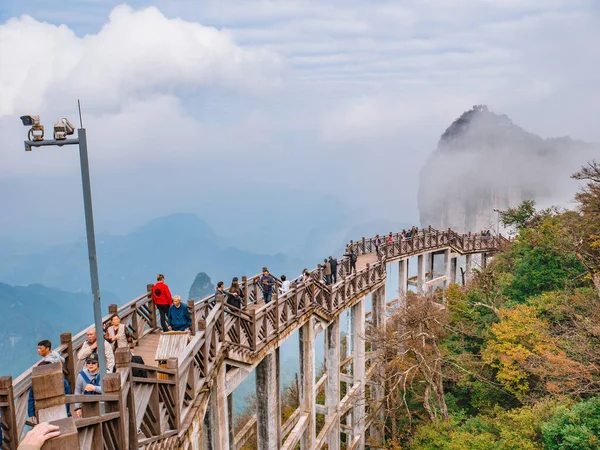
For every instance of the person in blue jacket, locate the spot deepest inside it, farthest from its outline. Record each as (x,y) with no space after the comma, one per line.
(31,399)
(179,316)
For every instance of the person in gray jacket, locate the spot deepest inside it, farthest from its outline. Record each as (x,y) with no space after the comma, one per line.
(44,349)
(89,381)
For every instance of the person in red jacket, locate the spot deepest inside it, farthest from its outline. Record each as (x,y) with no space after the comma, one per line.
(162,299)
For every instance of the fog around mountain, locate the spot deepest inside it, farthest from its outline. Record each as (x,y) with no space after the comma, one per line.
(484,161)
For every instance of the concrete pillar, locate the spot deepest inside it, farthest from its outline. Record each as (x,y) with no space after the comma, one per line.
(268,415)
(306,337)
(468,268)
(332,389)
(230,419)
(349,334)
(453,268)
(378,307)
(358,372)
(421,273)
(430,265)
(377,392)
(447,268)
(220,418)
(402,282)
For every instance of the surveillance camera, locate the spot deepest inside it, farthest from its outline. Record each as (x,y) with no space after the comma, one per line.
(62,129)
(30,120)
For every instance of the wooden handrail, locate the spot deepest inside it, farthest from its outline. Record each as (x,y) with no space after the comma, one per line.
(220,327)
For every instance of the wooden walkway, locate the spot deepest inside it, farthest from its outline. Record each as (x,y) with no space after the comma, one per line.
(146,348)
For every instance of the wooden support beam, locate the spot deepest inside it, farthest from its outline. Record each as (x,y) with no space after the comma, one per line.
(297,433)
(321,409)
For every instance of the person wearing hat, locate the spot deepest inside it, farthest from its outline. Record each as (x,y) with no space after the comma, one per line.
(89,381)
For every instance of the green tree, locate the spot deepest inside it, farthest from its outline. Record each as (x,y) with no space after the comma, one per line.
(520,216)
(577,428)
(541,259)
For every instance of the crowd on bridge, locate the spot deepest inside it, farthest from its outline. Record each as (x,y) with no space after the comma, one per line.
(176,317)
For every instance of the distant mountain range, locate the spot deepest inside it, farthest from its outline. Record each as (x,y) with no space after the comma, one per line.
(179,246)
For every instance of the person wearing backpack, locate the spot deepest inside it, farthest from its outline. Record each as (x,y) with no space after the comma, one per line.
(352,257)
(89,381)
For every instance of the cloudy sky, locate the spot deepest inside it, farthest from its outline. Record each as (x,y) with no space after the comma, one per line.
(191,103)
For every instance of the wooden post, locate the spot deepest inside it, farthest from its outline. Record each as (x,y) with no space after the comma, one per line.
(123,361)
(112,309)
(173,364)
(111,384)
(69,366)
(191,306)
(7,411)
(49,392)
(275,298)
(69,436)
(122,358)
(245,291)
(151,306)
(364,246)
(254,331)
(221,317)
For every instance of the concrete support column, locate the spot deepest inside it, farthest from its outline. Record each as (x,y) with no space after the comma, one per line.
(332,389)
(453,268)
(268,415)
(377,392)
(430,265)
(402,282)
(468,268)
(358,366)
(421,273)
(306,337)
(220,418)
(230,419)
(378,307)
(447,267)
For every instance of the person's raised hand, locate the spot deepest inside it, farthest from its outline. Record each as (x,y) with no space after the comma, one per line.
(90,388)
(78,413)
(40,434)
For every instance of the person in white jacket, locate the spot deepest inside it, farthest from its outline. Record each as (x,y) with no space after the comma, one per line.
(91,346)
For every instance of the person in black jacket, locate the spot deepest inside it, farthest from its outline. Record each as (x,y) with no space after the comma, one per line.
(333,263)
(136,372)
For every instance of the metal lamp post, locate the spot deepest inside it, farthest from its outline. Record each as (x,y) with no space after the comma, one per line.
(81,140)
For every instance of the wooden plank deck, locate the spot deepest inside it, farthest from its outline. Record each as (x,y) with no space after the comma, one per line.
(146,348)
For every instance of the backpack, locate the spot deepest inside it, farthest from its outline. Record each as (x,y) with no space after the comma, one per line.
(94,381)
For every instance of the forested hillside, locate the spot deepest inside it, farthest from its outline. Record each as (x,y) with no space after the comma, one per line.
(513,362)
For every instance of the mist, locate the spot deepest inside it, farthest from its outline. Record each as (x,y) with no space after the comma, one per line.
(484,162)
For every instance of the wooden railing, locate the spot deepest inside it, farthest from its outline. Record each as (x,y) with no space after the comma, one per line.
(161,406)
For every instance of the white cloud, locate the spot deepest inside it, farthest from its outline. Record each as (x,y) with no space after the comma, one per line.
(136,54)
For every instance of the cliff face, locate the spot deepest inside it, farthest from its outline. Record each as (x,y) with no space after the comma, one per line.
(484,162)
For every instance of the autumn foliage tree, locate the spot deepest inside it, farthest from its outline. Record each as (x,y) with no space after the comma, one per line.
(587,227)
